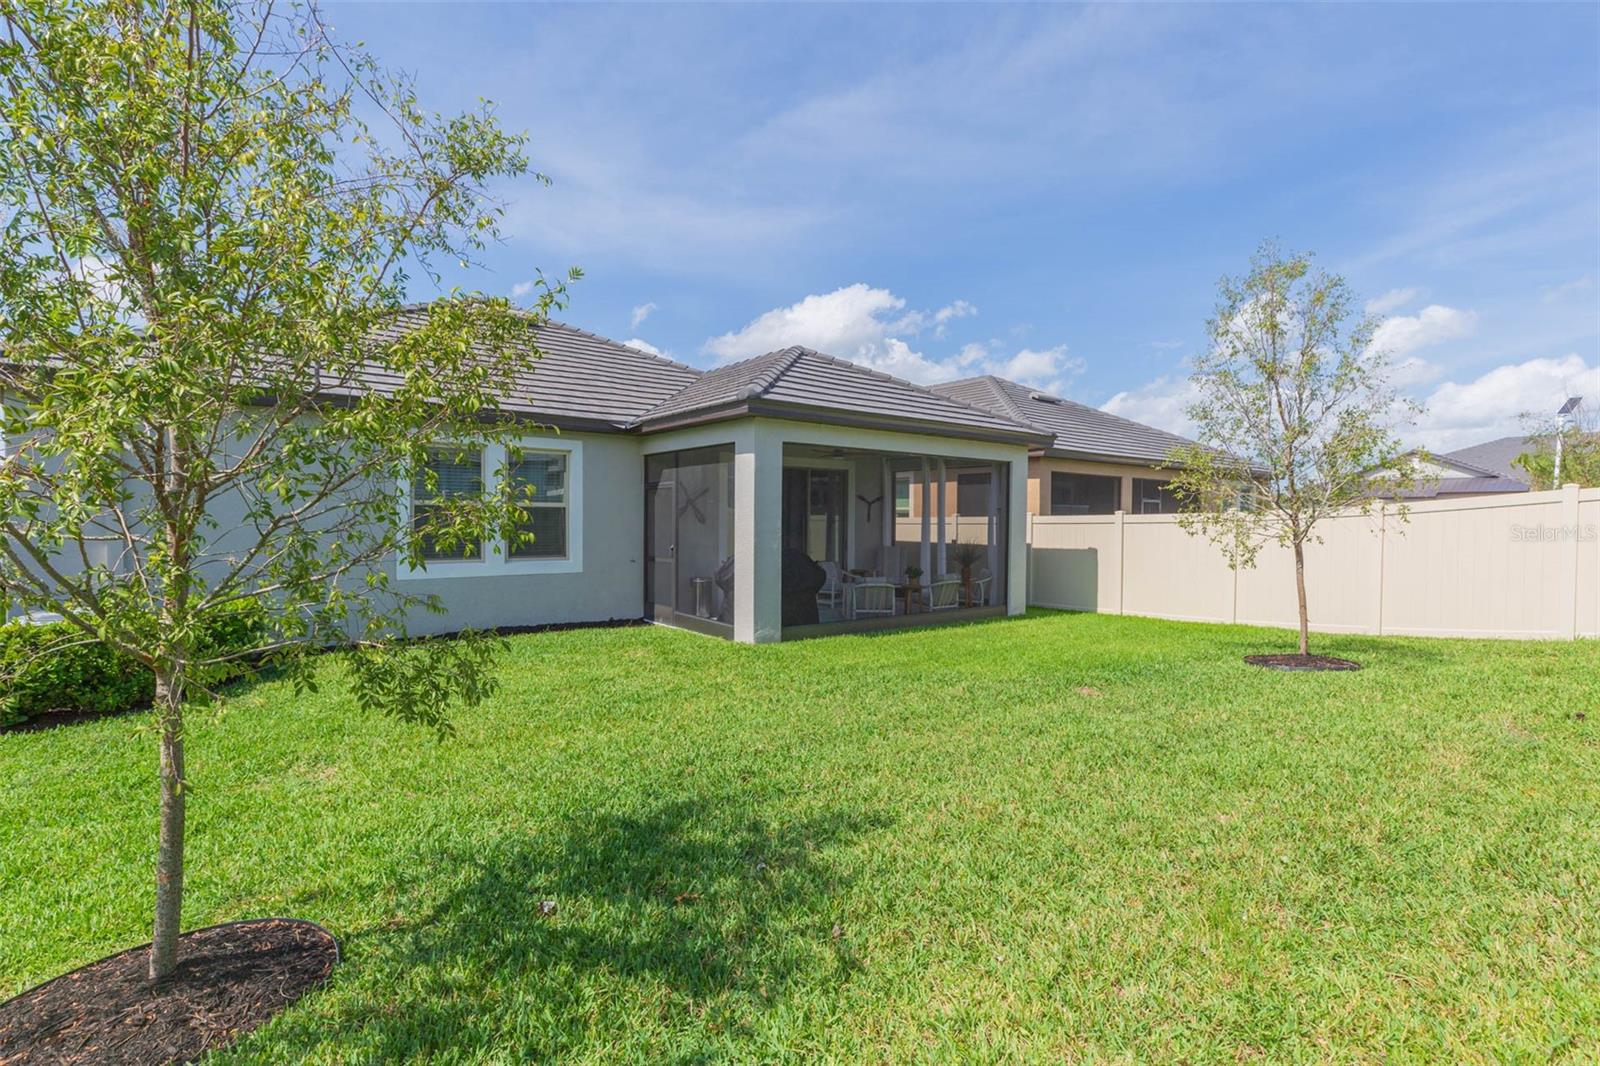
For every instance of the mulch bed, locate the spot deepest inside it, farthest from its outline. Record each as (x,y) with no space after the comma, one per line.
(1301,662)
(54,719)
(230,979)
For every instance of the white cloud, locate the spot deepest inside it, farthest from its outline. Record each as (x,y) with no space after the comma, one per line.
(1493,404)
(1392,300)
(641,313)
(1161,403)
(869,326)
(522,288)
(1401,336)
(1568,290)
(842,322)
(643,346)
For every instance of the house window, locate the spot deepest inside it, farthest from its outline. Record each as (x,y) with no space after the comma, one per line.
(902,495)
(1072,494)
(450,472)
(541,479)
(548,470)
(1152,496)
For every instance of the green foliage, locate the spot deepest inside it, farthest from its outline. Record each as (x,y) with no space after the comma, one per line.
(1090,838)
(965,554)
(52,666)
(211,211)
(1294,400)
(1580,460)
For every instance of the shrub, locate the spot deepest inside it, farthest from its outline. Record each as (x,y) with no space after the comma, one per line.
(51,667)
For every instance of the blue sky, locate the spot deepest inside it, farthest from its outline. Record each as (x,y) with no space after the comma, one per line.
(1047,192)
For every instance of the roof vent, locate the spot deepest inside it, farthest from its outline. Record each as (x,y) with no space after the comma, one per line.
(1043,397)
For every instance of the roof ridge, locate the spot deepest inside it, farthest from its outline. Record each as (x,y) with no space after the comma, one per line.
(994,382)
(1102,412)
(883,375)
(787,357)
(627,347)
(546,320)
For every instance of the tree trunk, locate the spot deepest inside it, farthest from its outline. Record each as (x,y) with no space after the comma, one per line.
(169,858)
(1300,590)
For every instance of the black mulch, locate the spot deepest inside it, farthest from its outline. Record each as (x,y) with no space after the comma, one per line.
(53,719)
(1301,662)
(231,978)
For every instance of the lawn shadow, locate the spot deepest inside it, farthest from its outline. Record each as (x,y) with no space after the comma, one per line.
(666,931)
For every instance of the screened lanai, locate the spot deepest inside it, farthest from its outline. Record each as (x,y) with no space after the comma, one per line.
(894,538)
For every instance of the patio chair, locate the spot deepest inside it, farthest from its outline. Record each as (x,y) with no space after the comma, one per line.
(831,594)
(872,599)
(944,594)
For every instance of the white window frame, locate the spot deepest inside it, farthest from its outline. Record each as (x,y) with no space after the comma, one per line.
(496,562)
(894,496)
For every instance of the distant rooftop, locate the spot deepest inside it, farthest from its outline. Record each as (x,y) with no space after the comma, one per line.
(1494,456)
(1078,431)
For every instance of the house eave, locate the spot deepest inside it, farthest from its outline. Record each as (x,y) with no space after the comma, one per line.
(835,417)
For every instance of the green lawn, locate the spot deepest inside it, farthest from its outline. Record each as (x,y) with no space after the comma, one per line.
(1061,837)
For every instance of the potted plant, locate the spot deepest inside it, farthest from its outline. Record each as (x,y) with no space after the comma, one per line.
(966,556)
(912,574)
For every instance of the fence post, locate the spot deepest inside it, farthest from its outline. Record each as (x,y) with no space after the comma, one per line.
(1030,556)
(1570,543)
(1383,545)
(1116,561)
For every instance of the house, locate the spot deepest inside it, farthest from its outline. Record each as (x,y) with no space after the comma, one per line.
(682,494)
(1449,476)
(1495,457)
(1093,463)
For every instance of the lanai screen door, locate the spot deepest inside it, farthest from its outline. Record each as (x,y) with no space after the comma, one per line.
(688,549)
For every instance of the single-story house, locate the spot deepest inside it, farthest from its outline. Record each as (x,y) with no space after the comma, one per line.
(1449,476)
(709,499)
(1093,463)
(1495,457)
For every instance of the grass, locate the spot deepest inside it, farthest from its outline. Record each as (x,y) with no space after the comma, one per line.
(1062,837)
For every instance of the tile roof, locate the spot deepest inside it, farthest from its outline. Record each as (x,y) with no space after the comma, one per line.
(806,384)
(579,379)
(1494,456)
(1462,486)
(1079,431)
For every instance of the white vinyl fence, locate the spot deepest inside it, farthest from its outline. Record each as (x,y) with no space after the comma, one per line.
(1521,566)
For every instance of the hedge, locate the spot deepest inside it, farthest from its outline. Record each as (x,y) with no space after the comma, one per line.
(50,667)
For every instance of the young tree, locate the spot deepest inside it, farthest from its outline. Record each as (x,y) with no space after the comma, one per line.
(209,213)
(1294,412)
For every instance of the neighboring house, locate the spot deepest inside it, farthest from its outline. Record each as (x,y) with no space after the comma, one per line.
(1449,477)
(1094,463)
(1496,457)
(675,494)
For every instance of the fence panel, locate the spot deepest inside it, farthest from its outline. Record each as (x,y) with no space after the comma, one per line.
(1526,566)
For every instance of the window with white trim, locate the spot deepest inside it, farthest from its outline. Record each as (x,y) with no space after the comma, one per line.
(450,473)
(548,469)
(542,479)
